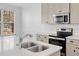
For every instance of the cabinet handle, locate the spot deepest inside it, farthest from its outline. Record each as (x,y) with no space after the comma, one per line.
(77,48)
(74,50)
(71,41)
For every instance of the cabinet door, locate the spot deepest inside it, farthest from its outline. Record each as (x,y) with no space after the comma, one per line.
(53,9)
(77,50)
(8,43)
(64,7)
(44,12)
(72,50)
(48,10)
(74,13)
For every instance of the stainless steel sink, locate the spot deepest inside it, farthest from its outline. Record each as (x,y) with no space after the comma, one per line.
(38,48)
(27,44)
(34,47)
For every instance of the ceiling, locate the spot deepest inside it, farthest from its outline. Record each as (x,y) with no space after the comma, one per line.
(22,4)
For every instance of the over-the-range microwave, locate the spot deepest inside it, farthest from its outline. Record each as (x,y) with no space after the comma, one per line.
(61,18)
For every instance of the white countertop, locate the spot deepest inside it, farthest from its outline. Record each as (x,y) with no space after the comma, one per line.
(24,52)
(73,37)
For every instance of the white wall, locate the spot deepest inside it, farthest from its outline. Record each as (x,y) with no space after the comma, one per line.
(31,18)
(32,22)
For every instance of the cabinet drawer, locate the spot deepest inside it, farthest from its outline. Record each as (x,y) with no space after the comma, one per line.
(72,41)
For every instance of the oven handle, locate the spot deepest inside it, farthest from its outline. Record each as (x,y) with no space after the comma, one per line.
(63,39)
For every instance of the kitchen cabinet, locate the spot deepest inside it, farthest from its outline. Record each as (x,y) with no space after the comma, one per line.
(74,10)
(72,47)
(50,9)
(72,50)
(44,13)
(8,43)
(43,38)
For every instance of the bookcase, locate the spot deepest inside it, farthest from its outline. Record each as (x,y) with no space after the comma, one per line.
(6,22)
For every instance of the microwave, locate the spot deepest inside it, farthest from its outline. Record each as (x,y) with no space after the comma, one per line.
(61,18)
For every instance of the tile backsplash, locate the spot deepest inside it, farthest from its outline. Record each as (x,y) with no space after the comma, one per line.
(53,28)
(32,22)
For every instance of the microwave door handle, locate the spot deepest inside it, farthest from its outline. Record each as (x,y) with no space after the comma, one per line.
(64,18)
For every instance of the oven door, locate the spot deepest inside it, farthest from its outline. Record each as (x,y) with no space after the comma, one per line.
(61,43)
(56,42)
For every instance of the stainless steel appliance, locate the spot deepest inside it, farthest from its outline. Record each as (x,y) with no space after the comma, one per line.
(61,18)
(60,39)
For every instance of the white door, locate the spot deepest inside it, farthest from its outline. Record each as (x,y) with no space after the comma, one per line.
(74,13)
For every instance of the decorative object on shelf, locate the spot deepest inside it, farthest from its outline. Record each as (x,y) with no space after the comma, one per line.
(8,16)
(8,29)
(6,22)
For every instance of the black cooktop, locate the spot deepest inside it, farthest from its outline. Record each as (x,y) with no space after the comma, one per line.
(61,34)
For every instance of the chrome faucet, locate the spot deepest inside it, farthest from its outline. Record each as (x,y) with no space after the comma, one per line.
(21,38)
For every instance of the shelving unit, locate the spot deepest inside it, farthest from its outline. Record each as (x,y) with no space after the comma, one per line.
(6,29)
(6,22)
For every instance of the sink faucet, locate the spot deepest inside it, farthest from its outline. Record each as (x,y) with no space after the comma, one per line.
(21,38)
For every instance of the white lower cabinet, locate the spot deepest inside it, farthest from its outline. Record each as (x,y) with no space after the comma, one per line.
(72,47)
(8,43)
(72,50)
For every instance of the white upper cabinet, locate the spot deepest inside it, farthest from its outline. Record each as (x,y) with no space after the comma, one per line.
(50,9)
(74,13)
(44,13)
(64,7)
